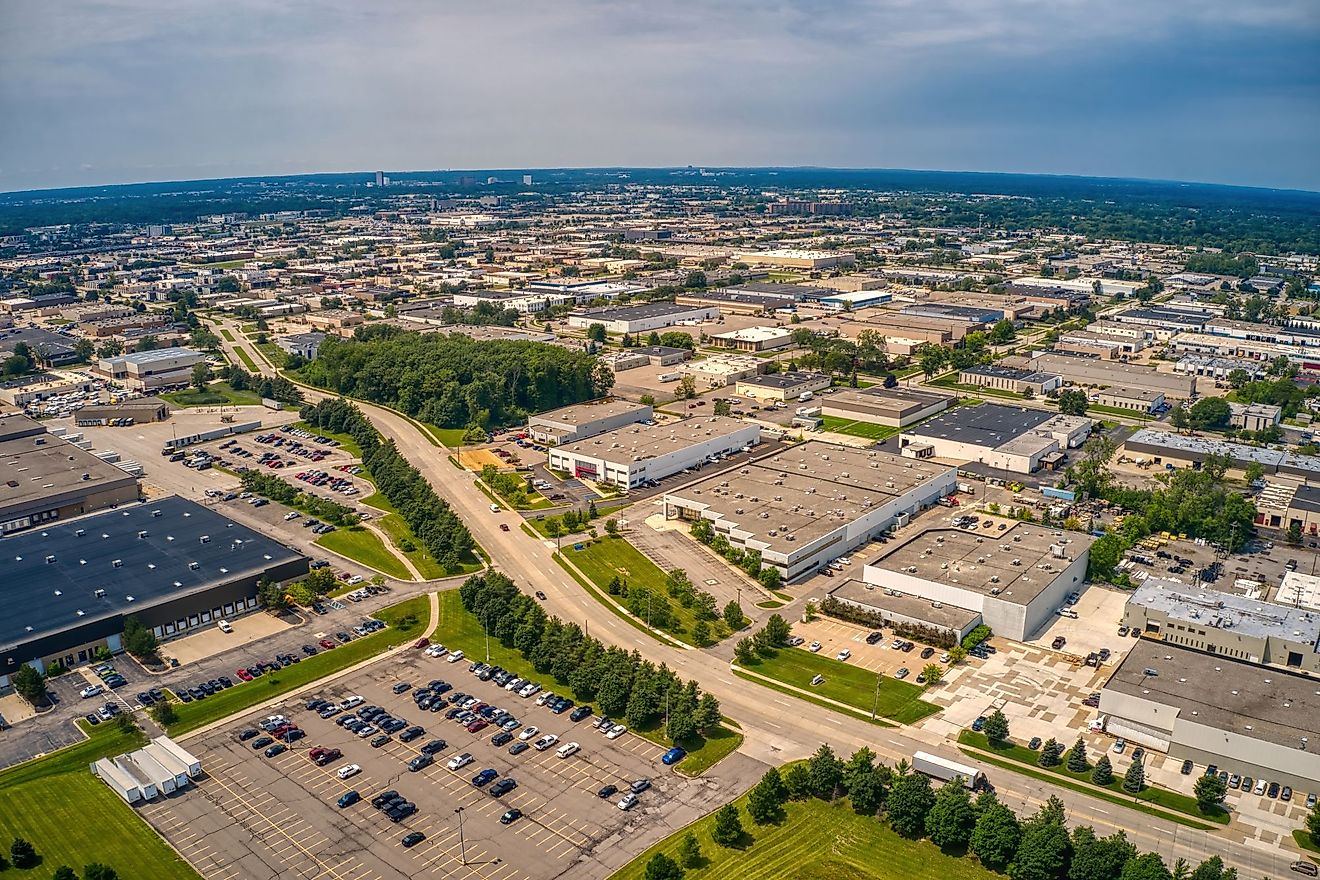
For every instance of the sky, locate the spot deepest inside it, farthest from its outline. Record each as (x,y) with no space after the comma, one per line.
(120,91)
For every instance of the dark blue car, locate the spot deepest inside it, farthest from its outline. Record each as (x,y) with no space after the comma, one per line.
(349,799)
(673,756)
(484,777)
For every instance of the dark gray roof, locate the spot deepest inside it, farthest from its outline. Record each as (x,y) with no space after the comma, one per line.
(43,596)
(1306,498)
(782,380)
(989,424)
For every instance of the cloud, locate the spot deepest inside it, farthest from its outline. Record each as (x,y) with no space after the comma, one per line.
(139,89)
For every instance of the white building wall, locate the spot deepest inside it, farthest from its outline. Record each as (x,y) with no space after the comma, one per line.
(627,473)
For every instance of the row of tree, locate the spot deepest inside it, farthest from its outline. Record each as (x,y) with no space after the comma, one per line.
(270,486)
(453,381)
(748,560)
(276,388)
(431,519)
(23,855)
(624,685)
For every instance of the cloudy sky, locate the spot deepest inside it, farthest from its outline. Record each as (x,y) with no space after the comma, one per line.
(134,90)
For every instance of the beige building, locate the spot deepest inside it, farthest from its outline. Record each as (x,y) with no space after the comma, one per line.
(782,386)
(1136,399)
(755,339)
(151,370)
(891,407)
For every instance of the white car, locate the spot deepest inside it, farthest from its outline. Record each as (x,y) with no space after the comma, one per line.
(529,732)
(515,684)
(628,801)
(435,650)
(366,730)
(541,700)
(91,690)
(351,703)
(455,657)
(616,731)
(529,689)
(292,514)
(458,762)
(545,742)
(348,770)
(843,655)
(813,647)
(354,580)
(568,749)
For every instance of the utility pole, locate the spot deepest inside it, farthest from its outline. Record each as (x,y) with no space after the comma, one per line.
(485,617)
(875,704)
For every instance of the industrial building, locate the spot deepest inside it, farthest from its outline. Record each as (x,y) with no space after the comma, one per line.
(805,506)
(303,345)
(1254,416)
(1138,400)
(1010,379)
(160,768)
(151,370)
(173,564)
(721,370)
(1014,580)
(634,455)
(582,420)
(891,407)
(1211,709)
(134,411)
(1226,624)
(1077,369)
(1185,450)
(47,478)
(902,608)
(782,386)
(1016,439)
(642,318)
(755,339)
(797,259)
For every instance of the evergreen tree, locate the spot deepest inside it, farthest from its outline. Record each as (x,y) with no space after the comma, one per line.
(798,782)
(826,773)
(22,854)
(1042,853)
(1077,762)
(1049,753)
(764,803)
(64,872)
(862,763)
(689,851)
(1135,778)
(867,791)
(728,828)
(1313,824)
(1209,791)
(1103,774)
(662,867)
(996,727)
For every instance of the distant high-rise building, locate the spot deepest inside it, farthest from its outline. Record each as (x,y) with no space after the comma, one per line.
(385,181)
(527,180)
(380,178)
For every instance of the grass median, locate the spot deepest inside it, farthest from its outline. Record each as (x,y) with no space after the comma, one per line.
(844,683)
(407,621)
(247,360)
(1170,801)
(460,629)
(362,545)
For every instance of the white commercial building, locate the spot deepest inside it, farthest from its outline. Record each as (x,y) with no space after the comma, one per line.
(582,420)
(149,370)
(636,454)
(1015,439)
(782,386)
(642,318)
(755,338)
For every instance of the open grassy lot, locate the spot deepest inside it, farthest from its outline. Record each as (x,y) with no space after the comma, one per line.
(229,337)
(407,621)
(272,352)
(869,430)
(899,701)
(1303,840)
(460,629)
(1151,794)
(815,841)
(363,546)
(451,437)
(400,535)
(216,394)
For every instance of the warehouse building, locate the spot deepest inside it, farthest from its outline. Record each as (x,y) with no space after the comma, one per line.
(722,370)
(1009,438)
(805,506)
(755,339)
(582,420)
(1210,709)
(631,456)
(782,386)
(902,608)
(44,478)
(642,318)
(1015,579)
(797,259)
(891,407)
(1078,369)
(173,564)
(1010,379)
(1226,624)
(151,370)
(1137,400)
(967,314)
(134,412)
(1185,450)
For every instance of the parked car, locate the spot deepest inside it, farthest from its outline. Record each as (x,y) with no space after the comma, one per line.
(673,756)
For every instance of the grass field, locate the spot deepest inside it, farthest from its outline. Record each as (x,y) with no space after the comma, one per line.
(602,560)
(816,841)
(1303,840)
(853,428)
(407,621)
(1162,797)
(852,685)
(363,546)
(216,394)
(460,629)
(393,525)
(247,359)
(451,437)
(271,352)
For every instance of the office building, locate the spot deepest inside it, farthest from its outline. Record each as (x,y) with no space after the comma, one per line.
(1015,439)
(582,420)
(631,456)
(782,386)
(642,318)
(755,338)
(1137,400)
(151,370)
(722,370)
(1010,379)
(892,407)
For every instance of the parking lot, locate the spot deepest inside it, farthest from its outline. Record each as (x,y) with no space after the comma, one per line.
(836,635)
(254,816)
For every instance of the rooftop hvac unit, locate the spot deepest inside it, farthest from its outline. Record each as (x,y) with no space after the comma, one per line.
(118,563)
(773,533)
(50,559)
(789,538)
(99,594)
(205,539)
(194,566)
(142,533)
(1016,562)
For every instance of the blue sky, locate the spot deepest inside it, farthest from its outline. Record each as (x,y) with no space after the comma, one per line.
(135,90)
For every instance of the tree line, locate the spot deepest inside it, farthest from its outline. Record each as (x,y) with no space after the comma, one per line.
(453,381)
(431,518)
(623,684)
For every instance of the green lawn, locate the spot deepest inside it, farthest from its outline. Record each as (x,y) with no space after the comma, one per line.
(407,621)
(607,558)
(1303,840)
(271,352)
(247,360)
(460,629)
(380,502)
(816,841)
(216,394)
(229,337)
(361,545)
(868,430)
(845,683)
(1162,797)
(393,525)
(451,437)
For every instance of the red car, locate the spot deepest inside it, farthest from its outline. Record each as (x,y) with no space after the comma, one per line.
(477,726)
(244,674)
(326,643)
(326,756)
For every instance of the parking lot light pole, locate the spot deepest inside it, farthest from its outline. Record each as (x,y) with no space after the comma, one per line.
(485,626)
(462,845)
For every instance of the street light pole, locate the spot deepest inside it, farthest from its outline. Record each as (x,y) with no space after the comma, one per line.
(485,626)
(462,843)
(875,704)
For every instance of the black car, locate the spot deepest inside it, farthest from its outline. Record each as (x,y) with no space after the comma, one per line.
(309,650)
(383,797)
(157,694)
(421,762)
(434,747)
(608,791)
(401,687)
(276,749)
(518,748)
(1273,790)
(262,742)
(411,734)
(874,637)
(412,839)
(927,653)
(145,698)
(92,720)
(1187,767)
(501,738)
(503,787)
(579,713)
(511,816)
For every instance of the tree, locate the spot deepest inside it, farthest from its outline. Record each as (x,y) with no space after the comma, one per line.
(1003,331)
(1103,774)
(1178,417)
(1073,402)
(201,375)
(1147,866)
(84,349)
(733,615)
(770,578)
(687,388)
(164,714)
(728,828)
(1211,869)
(701,633)
(995,838)
(29,684)
(1134,780)
(1042,852)
(138,640)
(996,727)
(1209,791)
(910,799)
(798,782)
(662,867)
(932,672)
(596,332)
(22,854)
(777,631)
(1238,378)
(1098,858)
(826,773)
(1313,824)
(689,851)
(64,872)
(723,407)
(1210,413)
(951,819)
(1049,753)
(766,799)
(1077,762)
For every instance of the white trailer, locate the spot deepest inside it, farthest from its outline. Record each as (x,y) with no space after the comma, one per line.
(150,791)
(165,779)
(167,760)
(194,766)
(120,783)
(945,770)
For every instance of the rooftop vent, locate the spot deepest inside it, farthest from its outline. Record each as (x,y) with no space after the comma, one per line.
(194,566)
(118,563)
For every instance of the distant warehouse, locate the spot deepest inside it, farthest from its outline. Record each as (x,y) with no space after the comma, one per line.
(891,407)
(642,318)
(172,563)
(150,370)
(631,456)
(582,420)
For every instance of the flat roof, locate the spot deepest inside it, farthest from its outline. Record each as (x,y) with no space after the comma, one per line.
(755,334)
(1008,373)
(1226,611)
(584,413)
(1266,703)
(1014,565)
(807,490)
(892,402)
(43,597)
(990,424)
(783,381)
(634,443)
(33,466)
(785,291)
(148,357)
(638,312)
(938,613)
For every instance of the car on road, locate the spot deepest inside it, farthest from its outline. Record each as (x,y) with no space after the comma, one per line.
(348,771)
(673,756)
(1307,869)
